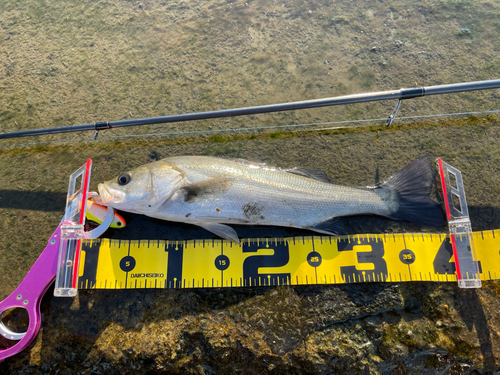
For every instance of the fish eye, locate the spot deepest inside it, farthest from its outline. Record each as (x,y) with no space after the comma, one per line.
(124,179)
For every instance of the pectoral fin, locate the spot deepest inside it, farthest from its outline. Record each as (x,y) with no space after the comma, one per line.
(206,189)
(221,230)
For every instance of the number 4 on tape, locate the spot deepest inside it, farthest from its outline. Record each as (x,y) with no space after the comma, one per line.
(460,227)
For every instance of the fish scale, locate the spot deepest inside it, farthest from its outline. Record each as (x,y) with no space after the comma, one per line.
(285,205)
(292,190)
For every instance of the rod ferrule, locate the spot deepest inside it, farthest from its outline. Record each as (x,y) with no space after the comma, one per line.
(101,126)
(413,92)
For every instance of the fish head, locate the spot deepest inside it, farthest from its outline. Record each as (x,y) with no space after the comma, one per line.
(142,189)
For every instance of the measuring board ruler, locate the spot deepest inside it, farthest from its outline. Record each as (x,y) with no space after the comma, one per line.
(127,264)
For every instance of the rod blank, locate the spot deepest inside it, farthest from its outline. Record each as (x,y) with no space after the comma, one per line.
(407,93)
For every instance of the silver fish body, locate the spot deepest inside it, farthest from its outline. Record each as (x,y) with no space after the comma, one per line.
(211,192)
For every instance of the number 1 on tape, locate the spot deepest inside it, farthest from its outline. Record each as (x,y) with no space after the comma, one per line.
(460,227)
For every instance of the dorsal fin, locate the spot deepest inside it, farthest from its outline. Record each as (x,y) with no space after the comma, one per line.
(315,175)
(244,162)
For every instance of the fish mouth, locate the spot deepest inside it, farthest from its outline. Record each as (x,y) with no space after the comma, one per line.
(108,197)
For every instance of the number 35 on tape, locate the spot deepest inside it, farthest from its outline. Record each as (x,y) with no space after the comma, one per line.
(118,264)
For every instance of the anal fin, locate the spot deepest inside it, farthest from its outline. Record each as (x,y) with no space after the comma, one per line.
(332,227)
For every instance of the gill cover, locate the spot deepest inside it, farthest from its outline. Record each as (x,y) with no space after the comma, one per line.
(142,189)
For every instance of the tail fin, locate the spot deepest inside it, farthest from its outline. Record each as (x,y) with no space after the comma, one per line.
(413,185)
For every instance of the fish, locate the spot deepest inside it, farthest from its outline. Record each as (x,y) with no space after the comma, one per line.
(214,193)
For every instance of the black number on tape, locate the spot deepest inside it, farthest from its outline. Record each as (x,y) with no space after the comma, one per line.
(442,264)
(375,256)
(174,267)
(252,264)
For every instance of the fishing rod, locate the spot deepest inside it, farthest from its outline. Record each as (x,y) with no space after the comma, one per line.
(401,94)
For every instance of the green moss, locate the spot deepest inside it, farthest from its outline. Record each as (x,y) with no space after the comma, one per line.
(218,139)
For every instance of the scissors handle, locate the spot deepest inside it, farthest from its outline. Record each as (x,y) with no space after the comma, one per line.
(28,295)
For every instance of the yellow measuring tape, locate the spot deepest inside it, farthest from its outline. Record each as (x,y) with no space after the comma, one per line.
(125,264)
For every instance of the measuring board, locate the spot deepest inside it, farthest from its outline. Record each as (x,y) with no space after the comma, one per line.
(126,264)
